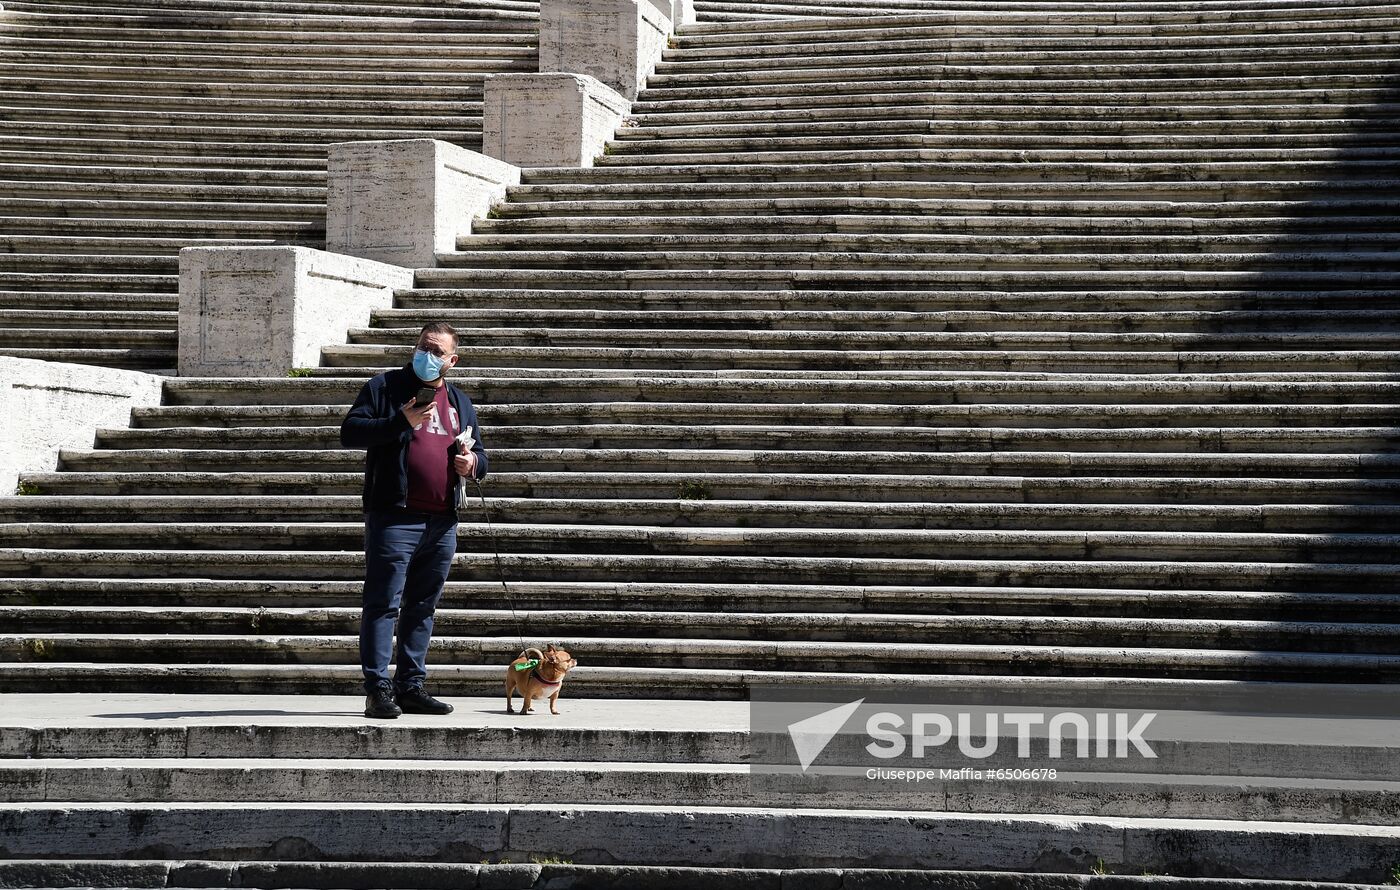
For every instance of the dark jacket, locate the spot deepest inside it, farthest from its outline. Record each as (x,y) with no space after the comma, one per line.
(376,424)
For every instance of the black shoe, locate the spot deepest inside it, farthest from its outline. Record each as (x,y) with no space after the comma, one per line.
(414,700)
(380,702)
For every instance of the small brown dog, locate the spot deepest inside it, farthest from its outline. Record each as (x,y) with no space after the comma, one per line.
(544,680)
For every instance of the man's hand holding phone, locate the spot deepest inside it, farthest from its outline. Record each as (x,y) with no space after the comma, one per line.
(417,413)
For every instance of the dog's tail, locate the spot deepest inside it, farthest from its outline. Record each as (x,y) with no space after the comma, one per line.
(531,653)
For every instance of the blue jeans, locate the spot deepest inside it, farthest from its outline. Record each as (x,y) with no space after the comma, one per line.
(408,554)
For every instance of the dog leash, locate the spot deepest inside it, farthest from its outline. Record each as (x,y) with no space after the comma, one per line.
(500,569)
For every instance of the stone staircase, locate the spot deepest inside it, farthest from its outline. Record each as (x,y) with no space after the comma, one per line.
(1011,348)
(133,129)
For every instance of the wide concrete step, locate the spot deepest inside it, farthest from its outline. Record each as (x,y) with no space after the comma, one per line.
(16,173)
(700,55)
(686,784)
(1374,61)
(645,301)
(1369,440)
(893,105)
(775,486)
(300,653)
(733,626)
(900,183)
(113,205)
(250,133)
(1139,357)
(1002,240)
(165,86)
(530,876)
(553,596)
(1059,116)
(94,306)
(732,513)
(88,286)
(800,228)
(483,16)
(1309,575)
(140,245)
(972,599)
(680,67)
(776,837)
(80,234)
(1101,19)
(163,339)
(114,319)
(236,193)
(880,93)
(572,539)
(47,98)
(284,119)
(68,72)
(389,324)
(1298,415)
(526,391)
(1031,273)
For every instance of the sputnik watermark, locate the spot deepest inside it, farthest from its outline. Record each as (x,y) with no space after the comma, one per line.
(1108,735)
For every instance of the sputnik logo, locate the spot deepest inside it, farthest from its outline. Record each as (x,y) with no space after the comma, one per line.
(811,735)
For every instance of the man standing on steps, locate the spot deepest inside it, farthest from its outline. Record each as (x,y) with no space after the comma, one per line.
(410,503)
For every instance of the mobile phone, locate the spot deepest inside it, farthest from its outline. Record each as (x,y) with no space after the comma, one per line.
(425,395)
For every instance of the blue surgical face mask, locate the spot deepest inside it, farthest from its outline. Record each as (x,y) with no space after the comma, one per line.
(427,366)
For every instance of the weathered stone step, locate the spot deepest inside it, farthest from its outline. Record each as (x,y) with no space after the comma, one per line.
(102,303)
(71,231)
(298,653)
(138,286)
(115,319)
(70,74)
(251,134)
(70,264)
(1309,575)
(1105,415)
(95,150)
(734,513)
(314,195)
(156,208)
(53,18)
(893,300)
(968,225)
(1269,271)
(660,541)
(159,360)
(1022,55)
(388,324)
(296,119)
(496,391)
(27,153)
(1209,439)
(123,43)
(1068,463)
(15,173)
(886,92)
(776,486)
(79,338)
(1261,604)
(1140,357)
(138,30)
(566,265)
(875,150)
(1055,116)
(775,837)
(1005,240)
(896,187)
(33,101)
(1104,20)
(159,85)
(517,19)
(138,245)
(878,105)
(806,49)
(1369,802)
(140,873)
(1379,61)
(784,627)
